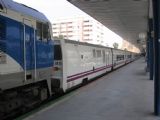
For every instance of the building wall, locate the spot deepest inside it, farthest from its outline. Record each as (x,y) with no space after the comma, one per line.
(80,29)
(86,29)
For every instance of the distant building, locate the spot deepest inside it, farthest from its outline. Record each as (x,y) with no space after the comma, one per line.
(128,46)
(80,29)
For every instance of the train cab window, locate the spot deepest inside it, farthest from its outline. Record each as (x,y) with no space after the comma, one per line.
(43,33)
(39,31)
(2,30)
(1,7)
(58,52)
(2,42)
(46,34)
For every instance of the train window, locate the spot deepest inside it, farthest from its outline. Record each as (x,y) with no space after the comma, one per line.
(94,53)
(2,30)
(104,57)
(2,42)
(82,56)
(120,57)
(46,35)
(39,31)
(58,52)
(1,6)
(43,32)
(128,56)
(99,53)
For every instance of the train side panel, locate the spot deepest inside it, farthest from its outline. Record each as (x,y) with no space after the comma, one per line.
(26,57)
(83,62)
(118,58)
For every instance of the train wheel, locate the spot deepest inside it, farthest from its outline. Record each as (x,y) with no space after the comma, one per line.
(85,81)
(43,94)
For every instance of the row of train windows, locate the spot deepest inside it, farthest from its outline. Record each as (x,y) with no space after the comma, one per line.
(129,56)
(120,57)
(42,31)
(98,53)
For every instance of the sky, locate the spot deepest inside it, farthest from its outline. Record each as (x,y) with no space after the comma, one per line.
(54,9)
(57,9)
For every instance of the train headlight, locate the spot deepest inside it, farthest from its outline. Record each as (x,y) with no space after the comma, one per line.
(56,68)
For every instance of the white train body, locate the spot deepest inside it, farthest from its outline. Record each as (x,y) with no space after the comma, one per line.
(77,62)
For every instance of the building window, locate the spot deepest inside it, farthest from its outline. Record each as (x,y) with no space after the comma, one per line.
(86,34)
(86,21)
(87,25)
(88,30)
(69,22)
(70,26)
(70,36)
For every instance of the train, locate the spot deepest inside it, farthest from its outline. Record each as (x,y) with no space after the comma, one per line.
(34,67)
(77,62)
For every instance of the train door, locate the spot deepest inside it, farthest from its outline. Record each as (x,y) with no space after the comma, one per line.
(58,65)
(29,51)
(107,57)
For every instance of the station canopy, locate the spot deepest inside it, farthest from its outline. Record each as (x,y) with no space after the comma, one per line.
(127,18)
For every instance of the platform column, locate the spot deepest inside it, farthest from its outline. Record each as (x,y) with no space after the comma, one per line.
(156,42)
(147,53)
(151,53)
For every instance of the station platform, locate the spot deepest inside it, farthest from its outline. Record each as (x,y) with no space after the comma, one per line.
(124,94)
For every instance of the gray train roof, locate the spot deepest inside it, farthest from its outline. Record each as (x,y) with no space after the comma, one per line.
(9,4)
(89,44)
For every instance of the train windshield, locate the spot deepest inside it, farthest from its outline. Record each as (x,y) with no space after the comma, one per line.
(57,52)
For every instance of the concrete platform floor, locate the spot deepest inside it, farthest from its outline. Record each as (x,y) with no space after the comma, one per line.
(125,94)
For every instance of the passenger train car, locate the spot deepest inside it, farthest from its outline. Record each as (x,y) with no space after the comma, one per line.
(76,63)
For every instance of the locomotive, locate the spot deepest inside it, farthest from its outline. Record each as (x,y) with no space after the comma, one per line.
(26,56)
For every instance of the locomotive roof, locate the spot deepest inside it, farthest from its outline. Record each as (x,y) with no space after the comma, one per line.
(9,4)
